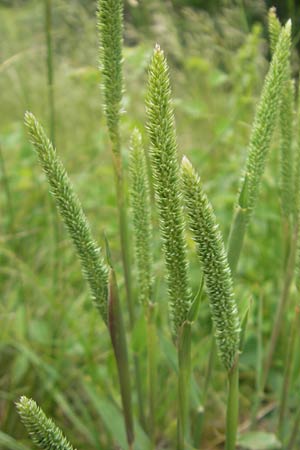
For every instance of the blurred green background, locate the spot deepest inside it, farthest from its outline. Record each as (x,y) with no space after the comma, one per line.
(53,347)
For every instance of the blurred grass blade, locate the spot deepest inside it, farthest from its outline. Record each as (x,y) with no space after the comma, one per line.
(112,417)
(9,443)
(184,365)
(118,339)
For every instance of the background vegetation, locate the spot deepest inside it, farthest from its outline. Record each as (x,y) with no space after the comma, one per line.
(53,347)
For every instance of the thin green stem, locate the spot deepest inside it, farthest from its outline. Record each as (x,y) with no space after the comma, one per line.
(50,71)
(236,237)
(232,407)
(295,432)
(201,418)
(7,192)
(118,339)
(281,307)
(151,336)
(184,377)
(287,374)
(52,126)
(259,364)
(125,250)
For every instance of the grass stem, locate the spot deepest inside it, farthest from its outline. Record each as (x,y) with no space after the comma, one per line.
(281,307)
(151,336)
(52,133)
(295,432)
(8,196)
(232,407)
(287,374)
(118,339)
(184,364)
(123,225)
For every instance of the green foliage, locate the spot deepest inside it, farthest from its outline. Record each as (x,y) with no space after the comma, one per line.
(110,13)
(44,433)
(161,129)
(141,213)
(50,337)
(93,265)
(211,252)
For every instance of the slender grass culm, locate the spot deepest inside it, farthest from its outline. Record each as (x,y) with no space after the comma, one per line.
(48,6)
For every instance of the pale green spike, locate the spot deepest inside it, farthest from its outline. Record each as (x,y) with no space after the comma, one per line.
(212,254)
(141,212)
(94,268)
(286,119)
(165,168)
(110,26)
(43,431)
(265,117)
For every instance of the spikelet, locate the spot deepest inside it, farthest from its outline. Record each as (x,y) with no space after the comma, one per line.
(43,432)
(94,268)
(140,206)
(165,168)
(274,28)
(211,252)
(265,118)
(110,26)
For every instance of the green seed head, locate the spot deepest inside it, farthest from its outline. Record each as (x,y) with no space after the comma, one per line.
(141,212)
(43,432)
(110,26)
(165,169)
(265,118)
(93,266)
(211,252)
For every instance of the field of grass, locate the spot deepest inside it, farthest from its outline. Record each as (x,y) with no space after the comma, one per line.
(54,348)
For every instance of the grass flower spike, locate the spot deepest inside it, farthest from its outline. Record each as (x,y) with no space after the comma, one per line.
(211,251)
(94,268)
(161,128)
(110,27)
(140,206)
(265,118)
(260,139)
(286,116)
(43,431)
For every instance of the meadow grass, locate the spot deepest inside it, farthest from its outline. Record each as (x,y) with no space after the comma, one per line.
(53,346)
